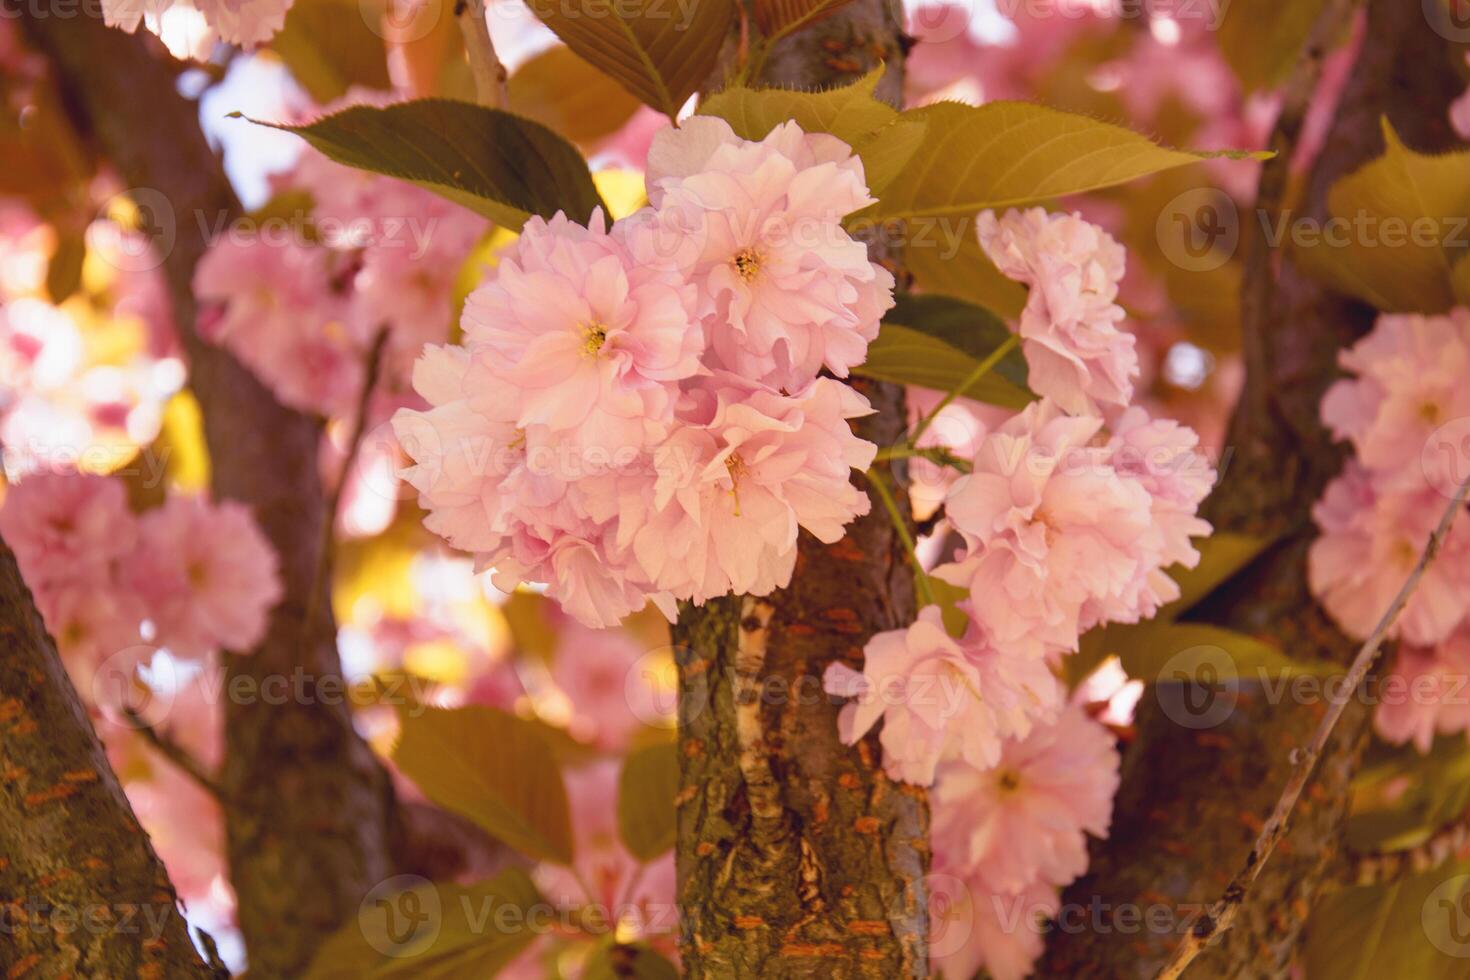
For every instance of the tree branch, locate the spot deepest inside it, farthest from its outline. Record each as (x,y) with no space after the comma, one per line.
(485,66)
(1193,801)
(1222,914)
(83,892)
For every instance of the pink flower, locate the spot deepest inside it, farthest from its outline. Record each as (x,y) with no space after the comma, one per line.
(936,695)
(1161,456)
(603,863)
(1371,540)
(246,23)
(67,528)
(784,290)
(282,317)
(1411,373)
(592,339)
(1069,328)
(1026,820)
(611,693)
(746,469)
(973,928)
(91,621)
(1426,693)
(1049,527)
(208,575)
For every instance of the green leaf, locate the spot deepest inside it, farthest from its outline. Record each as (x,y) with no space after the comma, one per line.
(646,791)
(1262,39)
(620,962)
(498,164)
(1221,555)
(329,47)
(1401,798)
(945,257)
(529,616)
(64,271)
(659,51)
(493,768)
(561,90)
(874,129)
(1418,927)
(1372,251)
(1010,154)
(937,342)
(432,931)
(1160,648)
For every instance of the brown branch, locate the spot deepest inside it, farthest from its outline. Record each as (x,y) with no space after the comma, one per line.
(82,892)
(1222,914)
(485,66)
(175,753)
(311,816)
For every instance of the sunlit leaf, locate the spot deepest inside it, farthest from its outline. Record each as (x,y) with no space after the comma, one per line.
(330,46)
(492,767)
(1418,926)
(646,790)
(1010,154)
(659,51)
(433,931)
(1262,39)
(498,164)
(851,113)
(1402,222)
(561,90)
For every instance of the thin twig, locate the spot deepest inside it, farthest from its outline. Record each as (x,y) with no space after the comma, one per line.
(334,501)
(1222,913)
(981,370)
(934,454)
(176,754)
(485,66)
(926,591)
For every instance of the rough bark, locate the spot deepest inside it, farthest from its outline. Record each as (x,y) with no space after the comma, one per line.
(1192,800)
(797,856)
(311,817)
(81,892)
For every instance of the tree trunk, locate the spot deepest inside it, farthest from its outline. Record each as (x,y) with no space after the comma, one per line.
(1192,799)
(311,814)
(83,893)
(797,856)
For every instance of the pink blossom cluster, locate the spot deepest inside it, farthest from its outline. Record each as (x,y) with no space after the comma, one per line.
(247,23)
(1076,354)
(1071,512)
(1403,410)
(303,309)
(198,576)
(634,413)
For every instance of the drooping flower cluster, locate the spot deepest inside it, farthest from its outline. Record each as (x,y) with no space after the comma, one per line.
(1404,410)
(1070,513)
(303,306)
(200,574)
(1069,328)
(635,412)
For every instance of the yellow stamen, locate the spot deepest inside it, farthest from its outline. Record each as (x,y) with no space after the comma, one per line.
(747,263)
